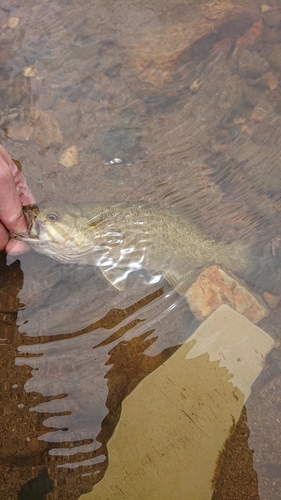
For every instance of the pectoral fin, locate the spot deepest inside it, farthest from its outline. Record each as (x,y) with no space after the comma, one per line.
(116,276)
(179,282)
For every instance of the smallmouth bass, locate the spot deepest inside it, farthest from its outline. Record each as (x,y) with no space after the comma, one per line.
(120,238)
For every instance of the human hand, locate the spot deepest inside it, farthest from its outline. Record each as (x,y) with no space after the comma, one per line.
(14,192)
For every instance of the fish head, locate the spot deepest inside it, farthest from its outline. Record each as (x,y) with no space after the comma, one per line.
(110,236)
(64,231)
(52,222)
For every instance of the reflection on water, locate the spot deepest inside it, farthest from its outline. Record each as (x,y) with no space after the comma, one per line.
(174,103)
(67,381)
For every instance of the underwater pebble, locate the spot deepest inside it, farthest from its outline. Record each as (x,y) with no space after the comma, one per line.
(261,110)
(265,8)
(256,118)
(238,120)
(246,130)
(196,85)
(13,22)
(214,287)
(70,157)
(29,71)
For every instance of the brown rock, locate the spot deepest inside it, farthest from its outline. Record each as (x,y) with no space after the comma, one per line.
(270,80)
(47,131)
(256,117)
(214,287)
(252,65)
(19,131)
(156,57)
(250,37)
(271,300)
(273,56)
(262,110)
(271,36)
(272,18)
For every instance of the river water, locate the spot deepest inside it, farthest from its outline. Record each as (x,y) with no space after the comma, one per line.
(172,103)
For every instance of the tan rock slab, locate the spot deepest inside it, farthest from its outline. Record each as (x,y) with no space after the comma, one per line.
(214,287)
(69,158)
(175,423)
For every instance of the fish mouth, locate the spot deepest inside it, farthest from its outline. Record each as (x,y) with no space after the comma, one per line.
(32,232)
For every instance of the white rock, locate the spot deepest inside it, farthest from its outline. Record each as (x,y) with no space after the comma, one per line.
(69,158)
(29,71)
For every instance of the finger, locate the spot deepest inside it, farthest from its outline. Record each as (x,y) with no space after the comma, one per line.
(11,213)
(23,190)
(6,158)
(17,247)
(4,237)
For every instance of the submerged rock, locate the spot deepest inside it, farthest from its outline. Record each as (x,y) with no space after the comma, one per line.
(19,131)
(47,131)
(156,58)
(252,65)
(69,158)
(273,55)
(272,301)
(215,287)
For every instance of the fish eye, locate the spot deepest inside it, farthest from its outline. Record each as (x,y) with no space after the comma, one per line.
(53,217)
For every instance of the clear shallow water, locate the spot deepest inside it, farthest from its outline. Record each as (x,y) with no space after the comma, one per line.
(158,104)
